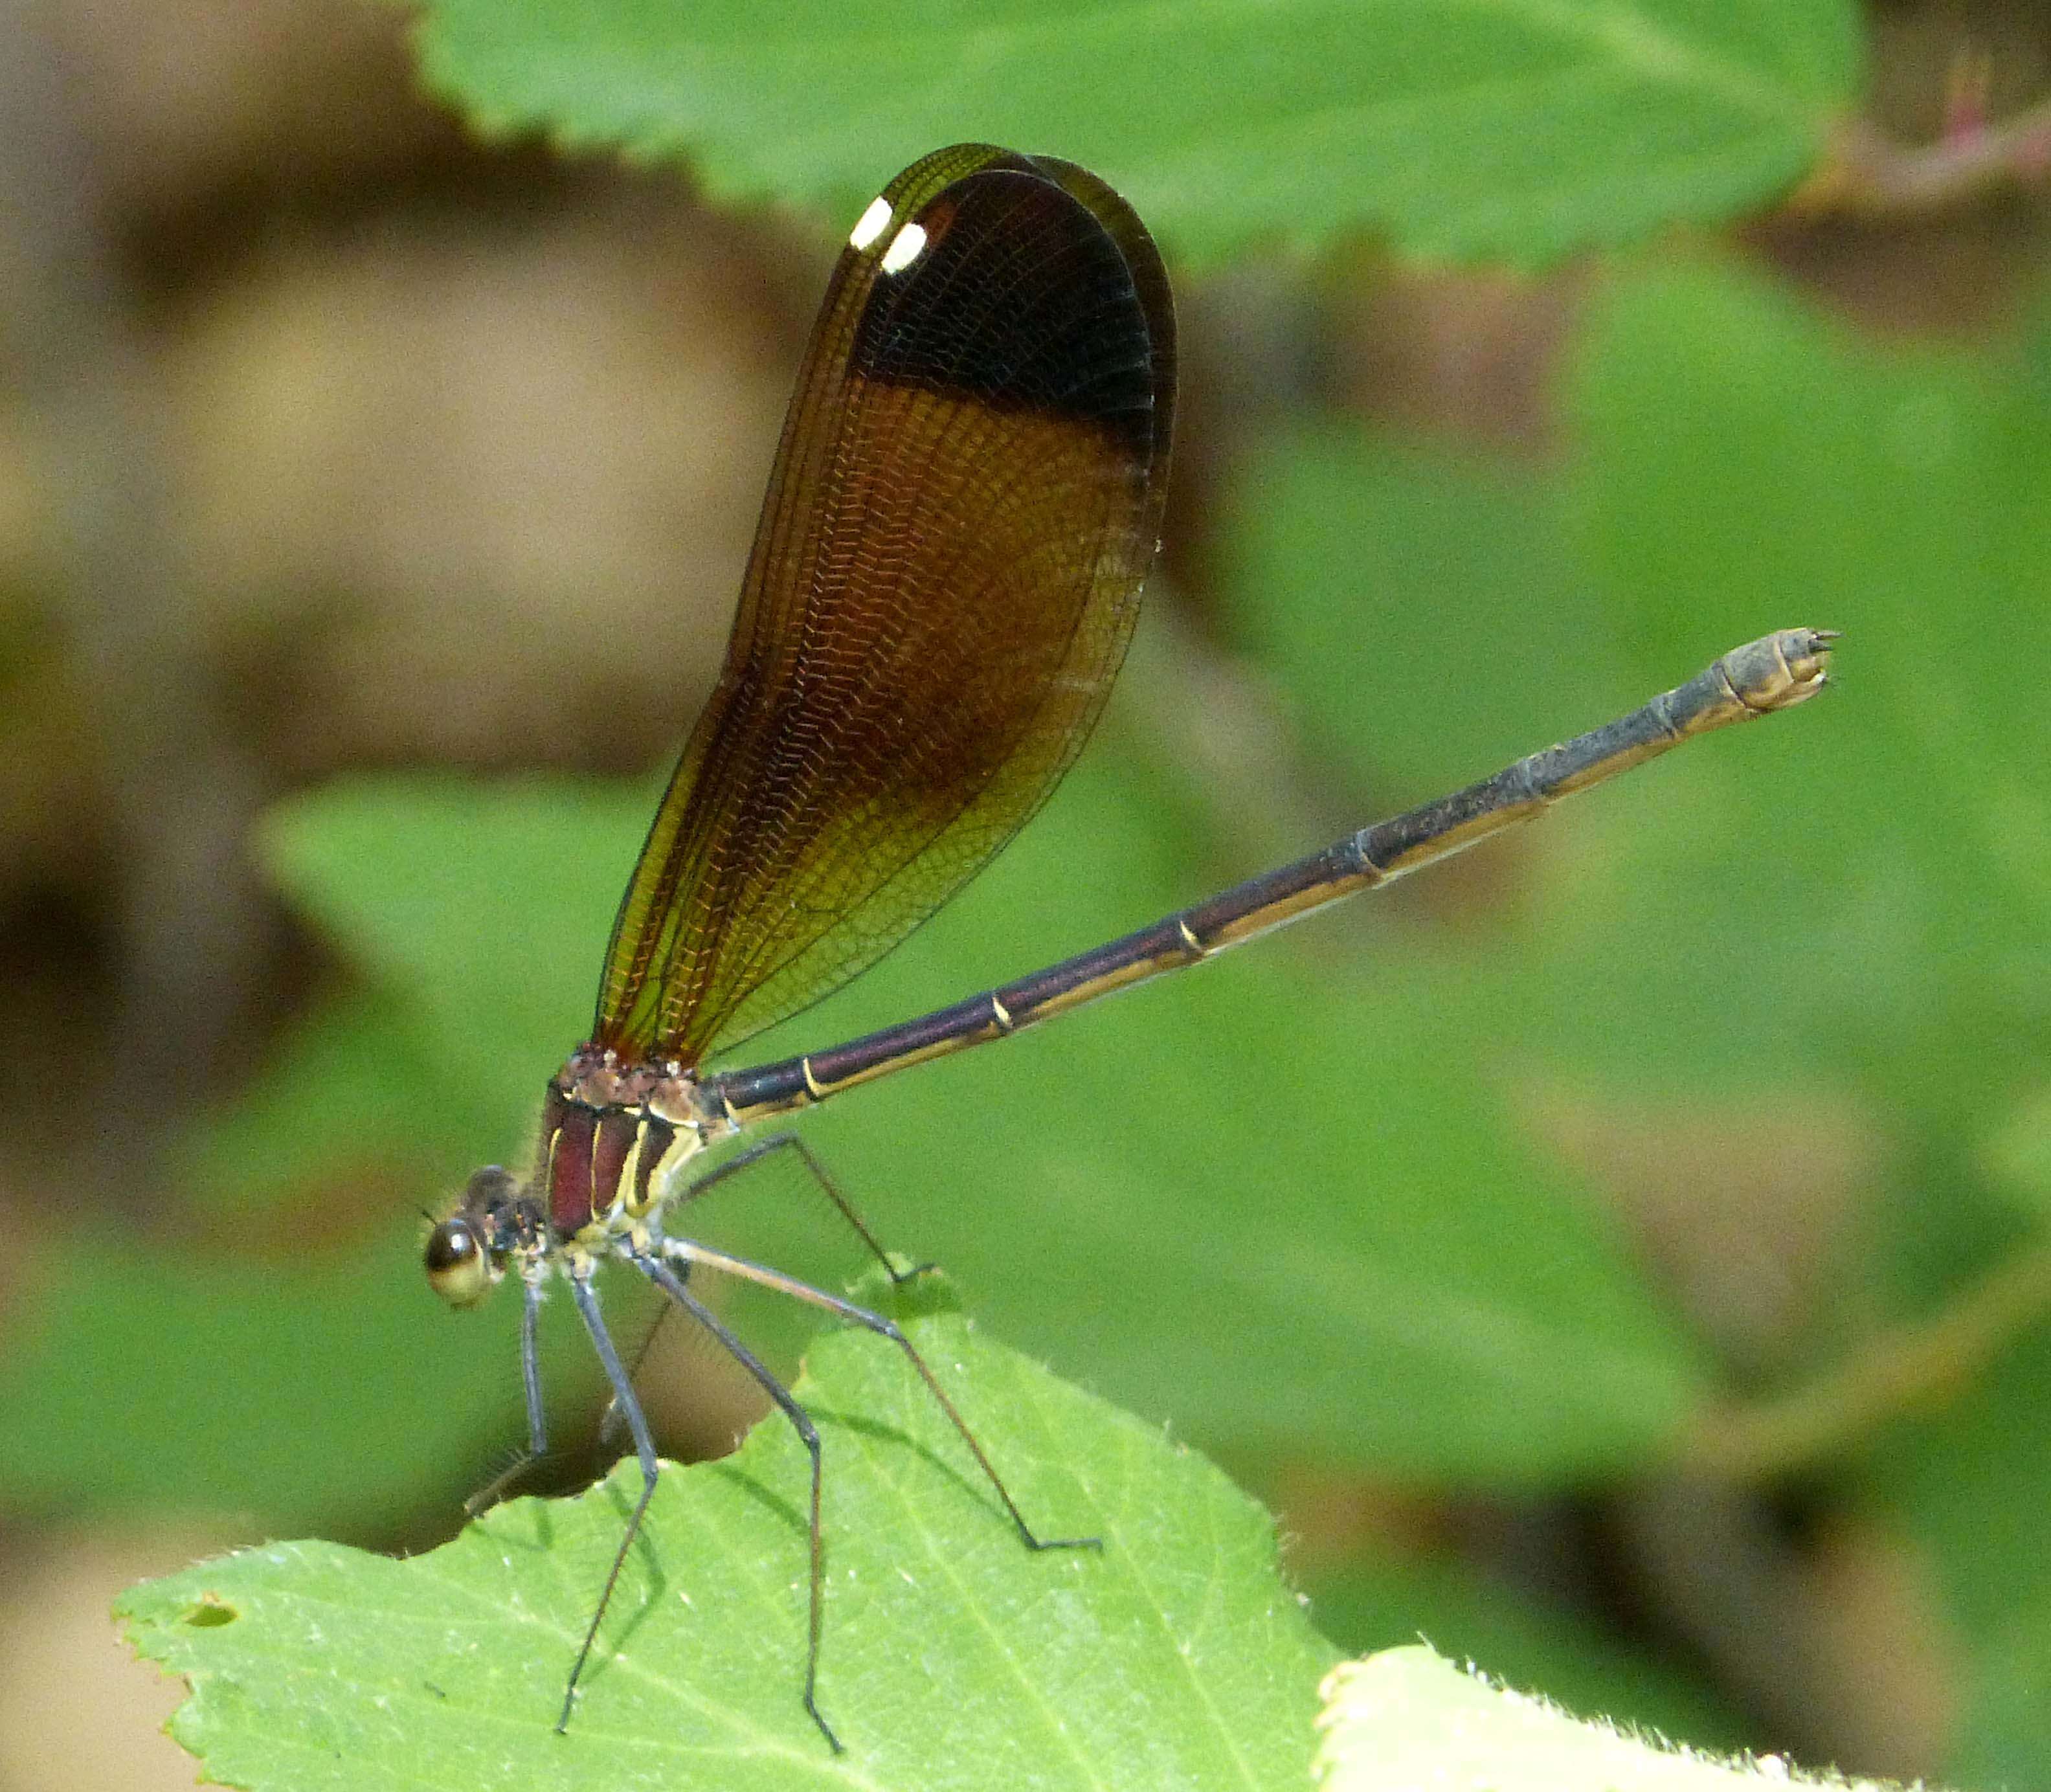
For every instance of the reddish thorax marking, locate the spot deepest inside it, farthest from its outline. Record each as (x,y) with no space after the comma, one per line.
(605,1129)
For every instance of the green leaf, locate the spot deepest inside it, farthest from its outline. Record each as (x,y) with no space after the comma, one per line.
(953,1657)
(1744,451)
(317,1127)
(1970,1482)
(1523,130)
(2017,1155)
(1350,551)
(486,905)
(2003,1737)
(1404,1718)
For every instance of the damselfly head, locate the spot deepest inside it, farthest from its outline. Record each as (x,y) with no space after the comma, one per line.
(466,1254)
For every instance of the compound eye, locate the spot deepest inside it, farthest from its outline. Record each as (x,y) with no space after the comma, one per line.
(458,1268)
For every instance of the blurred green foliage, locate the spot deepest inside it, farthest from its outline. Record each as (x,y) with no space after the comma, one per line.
(1296,1205)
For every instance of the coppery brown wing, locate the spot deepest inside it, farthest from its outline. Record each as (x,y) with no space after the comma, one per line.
(966,497)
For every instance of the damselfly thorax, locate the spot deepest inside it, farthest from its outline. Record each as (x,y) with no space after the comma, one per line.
(614,1142)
